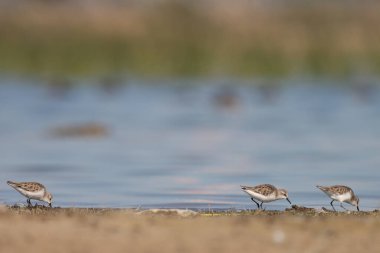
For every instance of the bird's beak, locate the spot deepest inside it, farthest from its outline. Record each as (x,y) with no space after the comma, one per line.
(288,200)
(357,207)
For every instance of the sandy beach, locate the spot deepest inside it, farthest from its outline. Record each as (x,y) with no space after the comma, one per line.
(118,230)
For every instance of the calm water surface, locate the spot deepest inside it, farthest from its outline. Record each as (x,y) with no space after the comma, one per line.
(170,145)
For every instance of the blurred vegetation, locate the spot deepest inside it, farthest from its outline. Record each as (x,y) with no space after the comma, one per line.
(183,38)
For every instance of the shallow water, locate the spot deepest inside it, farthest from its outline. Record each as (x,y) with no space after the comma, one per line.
(190,146)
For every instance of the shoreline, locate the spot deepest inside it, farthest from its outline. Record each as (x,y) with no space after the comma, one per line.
(295,210)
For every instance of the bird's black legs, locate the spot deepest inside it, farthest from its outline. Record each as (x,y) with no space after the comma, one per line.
(29,203)
(331,203)
(341,205)
(258,205)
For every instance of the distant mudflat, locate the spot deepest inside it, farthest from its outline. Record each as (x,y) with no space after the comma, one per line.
(186,38)
(297,229)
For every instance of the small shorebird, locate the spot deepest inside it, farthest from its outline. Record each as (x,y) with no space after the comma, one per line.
(340,193)
(32,190)
(265,193)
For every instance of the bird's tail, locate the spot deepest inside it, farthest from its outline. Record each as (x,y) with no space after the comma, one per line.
(13,184)
(243,187)
(322,188)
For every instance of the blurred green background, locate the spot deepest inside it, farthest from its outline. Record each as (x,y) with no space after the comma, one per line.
(190,38)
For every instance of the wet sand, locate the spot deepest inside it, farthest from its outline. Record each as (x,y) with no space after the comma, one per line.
(125,230)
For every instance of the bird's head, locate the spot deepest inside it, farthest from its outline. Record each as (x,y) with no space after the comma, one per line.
(282,193)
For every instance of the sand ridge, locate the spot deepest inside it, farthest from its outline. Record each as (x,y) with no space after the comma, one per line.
(125,230)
